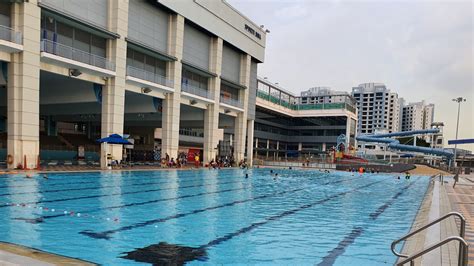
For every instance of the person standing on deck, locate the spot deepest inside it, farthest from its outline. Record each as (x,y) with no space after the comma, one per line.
(196,160)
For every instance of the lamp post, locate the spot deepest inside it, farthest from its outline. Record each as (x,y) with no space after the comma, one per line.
(459,100)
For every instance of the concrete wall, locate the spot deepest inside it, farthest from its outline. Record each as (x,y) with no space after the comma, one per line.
(93,11)
(224,21)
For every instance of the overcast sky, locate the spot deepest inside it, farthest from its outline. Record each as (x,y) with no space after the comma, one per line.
(423,50)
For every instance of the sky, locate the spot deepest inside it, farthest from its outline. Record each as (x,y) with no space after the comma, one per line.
(423,50)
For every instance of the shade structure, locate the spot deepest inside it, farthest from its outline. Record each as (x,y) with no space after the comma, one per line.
(114,139)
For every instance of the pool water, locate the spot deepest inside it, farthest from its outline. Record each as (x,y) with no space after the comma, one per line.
(301,217)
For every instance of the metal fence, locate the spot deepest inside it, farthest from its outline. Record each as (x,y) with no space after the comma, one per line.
(8,34)
(149,76)
(188,87)
(231,101)
(76,54)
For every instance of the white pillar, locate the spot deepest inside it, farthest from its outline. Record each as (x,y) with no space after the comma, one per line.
(241,119)
(211,114)
(348,134)
(250,131)
(172,102)
(113,93)
(324,146)
(23,88)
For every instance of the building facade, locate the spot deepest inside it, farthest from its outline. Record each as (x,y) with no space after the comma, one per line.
(378,108)
(417,116)
(293,126)
(172,74)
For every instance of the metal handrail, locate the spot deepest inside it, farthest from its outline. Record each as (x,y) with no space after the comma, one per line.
(9,34)
(231,101)
(187,87)
(461,233)
(463,251)
(75,54)
(149,76)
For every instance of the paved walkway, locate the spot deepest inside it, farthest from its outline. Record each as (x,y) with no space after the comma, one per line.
(462,200)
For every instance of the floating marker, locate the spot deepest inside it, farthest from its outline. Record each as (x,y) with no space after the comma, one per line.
(108,219)
(52,210)
(65,212)
(78,215)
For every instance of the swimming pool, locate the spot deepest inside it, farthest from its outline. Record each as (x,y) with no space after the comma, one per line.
(302,217)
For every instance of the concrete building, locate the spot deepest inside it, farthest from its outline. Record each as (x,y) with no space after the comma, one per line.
(316,95)
(378,108)
(174,75)
(417,116)
(292,126)
(437,140)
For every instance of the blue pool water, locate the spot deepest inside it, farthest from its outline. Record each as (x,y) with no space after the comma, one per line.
(304,217)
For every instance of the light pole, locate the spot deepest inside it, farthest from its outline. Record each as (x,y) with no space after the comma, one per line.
(459,100)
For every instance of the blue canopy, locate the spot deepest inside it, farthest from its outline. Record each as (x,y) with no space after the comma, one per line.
(114,139)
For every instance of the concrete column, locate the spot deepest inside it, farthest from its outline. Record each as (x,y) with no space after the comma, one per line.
(348,134)
(113,93)
(268,147)
(250,130)
(324,146)
(241,119)
(211,114)
(172,102)
(23,88)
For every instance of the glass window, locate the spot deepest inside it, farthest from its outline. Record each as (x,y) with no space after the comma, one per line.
(65,33)
(5,14)
(81,40)
(98,45)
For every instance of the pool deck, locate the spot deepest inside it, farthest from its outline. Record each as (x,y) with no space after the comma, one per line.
(440,199)
(11,254)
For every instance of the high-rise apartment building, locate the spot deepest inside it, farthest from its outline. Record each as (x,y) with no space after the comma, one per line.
(417,116)
(378,108)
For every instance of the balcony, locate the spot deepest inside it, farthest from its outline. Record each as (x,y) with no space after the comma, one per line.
(347,104)
(10,41)
(149,79)
(231,102)
(192,88)
(74,58)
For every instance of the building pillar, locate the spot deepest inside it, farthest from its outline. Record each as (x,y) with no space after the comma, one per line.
(348,134)
(23,88)
(211,114)
(172,102)
(324,146)
(268,147)
(241,119)
(250,132)
(113,93)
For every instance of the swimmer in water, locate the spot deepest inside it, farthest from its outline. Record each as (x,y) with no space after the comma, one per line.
(28,176)
(45,176)
(246,175)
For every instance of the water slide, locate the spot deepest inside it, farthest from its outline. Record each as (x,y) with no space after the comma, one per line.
(395,144)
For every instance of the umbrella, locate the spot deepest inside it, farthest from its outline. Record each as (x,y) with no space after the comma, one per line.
(114,139)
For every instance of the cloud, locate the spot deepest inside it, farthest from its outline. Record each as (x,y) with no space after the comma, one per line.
(420,49)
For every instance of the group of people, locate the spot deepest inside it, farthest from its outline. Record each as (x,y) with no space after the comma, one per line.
(179,162)
(362,170)
(407,176)
(221,162)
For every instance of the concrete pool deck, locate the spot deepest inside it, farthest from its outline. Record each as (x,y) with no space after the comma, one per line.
(11,254)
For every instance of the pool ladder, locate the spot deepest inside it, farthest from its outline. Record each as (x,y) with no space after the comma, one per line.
(463,245)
